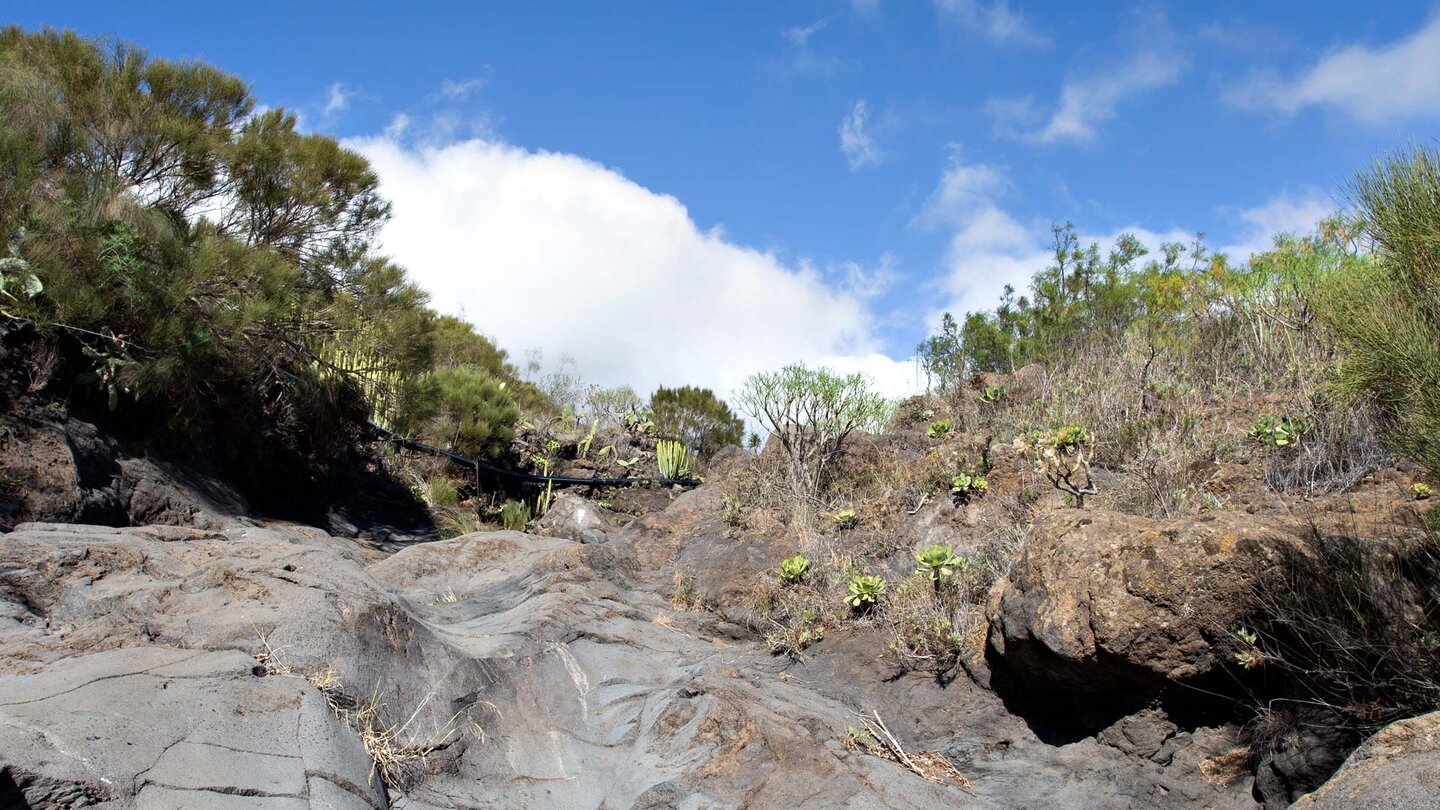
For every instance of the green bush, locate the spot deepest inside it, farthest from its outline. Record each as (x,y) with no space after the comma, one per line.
(473,413)
(938,429)
(1384,315)
(697,418)
(515,515)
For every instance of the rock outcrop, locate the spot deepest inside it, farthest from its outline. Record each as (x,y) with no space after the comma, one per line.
(1101,602)
(1397,768)
(170,667)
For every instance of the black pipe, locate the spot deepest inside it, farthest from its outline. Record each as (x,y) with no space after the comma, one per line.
(478,466)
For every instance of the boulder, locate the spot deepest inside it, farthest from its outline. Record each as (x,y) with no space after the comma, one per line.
(574,518)
(1399,767)
(1102,602)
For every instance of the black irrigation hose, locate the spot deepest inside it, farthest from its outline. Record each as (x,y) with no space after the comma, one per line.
(480,466)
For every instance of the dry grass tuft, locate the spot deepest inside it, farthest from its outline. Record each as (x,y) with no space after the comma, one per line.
(1226,769)
(877,739)
(398,751)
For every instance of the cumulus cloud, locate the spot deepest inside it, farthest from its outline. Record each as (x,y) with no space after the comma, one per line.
(995,20)
(1392,82)
(857,143)
(337,99)
(1295,214)
(549,250)
(1086,102)
(989,248)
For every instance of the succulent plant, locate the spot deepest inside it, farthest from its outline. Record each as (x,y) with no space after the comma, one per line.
(795,569)
(938,429)
(864,590)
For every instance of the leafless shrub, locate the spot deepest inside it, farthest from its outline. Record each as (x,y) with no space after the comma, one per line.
(1354,625)
(1337,452)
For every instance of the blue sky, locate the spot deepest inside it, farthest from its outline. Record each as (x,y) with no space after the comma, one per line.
(690,192)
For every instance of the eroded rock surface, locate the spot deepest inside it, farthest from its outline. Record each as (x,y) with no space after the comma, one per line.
(1106,602)
(1397,768)
(545,672)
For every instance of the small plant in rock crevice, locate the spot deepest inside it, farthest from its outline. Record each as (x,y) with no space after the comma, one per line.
(1421,491)
(939,564)
(794,570)
(515,515)
(864,591)
(845,519)
(965,486)
(938,429)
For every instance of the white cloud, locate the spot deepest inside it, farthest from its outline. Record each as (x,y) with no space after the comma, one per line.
(995,20)
(1285,213)
(856,140)
(989,248)
(802,59)
(337,99)
(1398,81)
(1087,101)
(550,250)
(460,90)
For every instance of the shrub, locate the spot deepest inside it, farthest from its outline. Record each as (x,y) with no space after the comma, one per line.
(1421,491)
(515,515)
(473,413)
(1354,626)
(1062,457)
(812,412)
(794,570)
(696,417)
(1384,315)
(440,492)
(864,591)
(938,429)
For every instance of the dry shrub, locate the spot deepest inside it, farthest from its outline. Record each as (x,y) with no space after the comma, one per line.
(1353,625)
(685,594)
(1337,452)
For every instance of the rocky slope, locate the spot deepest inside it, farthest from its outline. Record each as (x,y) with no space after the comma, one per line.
(167,667)
(618,659)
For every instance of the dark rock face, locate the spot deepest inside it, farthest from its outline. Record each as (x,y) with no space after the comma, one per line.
(544,670)
(1102,602)
(1399,767)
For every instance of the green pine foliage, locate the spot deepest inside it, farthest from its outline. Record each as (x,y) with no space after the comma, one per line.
(697,418)
(191,254)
